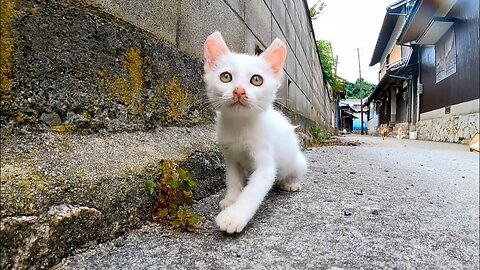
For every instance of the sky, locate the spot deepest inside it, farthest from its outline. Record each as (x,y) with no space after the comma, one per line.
(348,25)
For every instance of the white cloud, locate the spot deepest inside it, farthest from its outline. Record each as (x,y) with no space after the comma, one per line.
(352,24)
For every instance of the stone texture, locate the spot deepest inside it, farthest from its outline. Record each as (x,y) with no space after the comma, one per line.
(289,27)
(251,42)
(146,14)
(201,18)
(50,119)
(460,128)
(279,17)
(258,19)
(282,93)
(406,213)
(238,6)
(101,79)
(36,241)
(291,64)
(81,72)
(105,173)
(85,67)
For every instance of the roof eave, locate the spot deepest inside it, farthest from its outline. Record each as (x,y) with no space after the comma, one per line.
(389,22)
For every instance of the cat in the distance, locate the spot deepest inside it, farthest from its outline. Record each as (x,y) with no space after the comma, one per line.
(257,142)
(383,131)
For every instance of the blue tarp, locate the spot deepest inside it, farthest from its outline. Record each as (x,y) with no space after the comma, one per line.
(356,124)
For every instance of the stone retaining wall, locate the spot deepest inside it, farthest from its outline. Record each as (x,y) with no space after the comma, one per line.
(102,65)
(460,128)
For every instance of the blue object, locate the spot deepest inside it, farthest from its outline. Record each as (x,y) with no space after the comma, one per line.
(356,125)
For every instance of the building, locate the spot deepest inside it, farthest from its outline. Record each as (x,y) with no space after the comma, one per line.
(350,115)
(428,53)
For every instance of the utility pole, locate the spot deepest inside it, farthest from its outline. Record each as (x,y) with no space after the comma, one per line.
(361,92)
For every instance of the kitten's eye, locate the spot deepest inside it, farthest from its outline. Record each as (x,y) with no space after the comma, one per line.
(225,77)
(256,80)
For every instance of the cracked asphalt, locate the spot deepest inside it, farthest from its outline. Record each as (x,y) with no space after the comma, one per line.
(393,204)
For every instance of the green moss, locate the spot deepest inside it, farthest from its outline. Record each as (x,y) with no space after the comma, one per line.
(178,100)
(64,128)
(8,12)
(129,89)
(20,118)
(23,187)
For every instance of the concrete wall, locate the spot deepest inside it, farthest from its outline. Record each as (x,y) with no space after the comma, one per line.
(118,65)
(244,25)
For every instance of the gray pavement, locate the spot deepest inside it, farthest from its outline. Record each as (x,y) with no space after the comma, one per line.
(393,204)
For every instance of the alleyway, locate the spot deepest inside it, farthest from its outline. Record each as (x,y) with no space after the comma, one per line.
(381,205)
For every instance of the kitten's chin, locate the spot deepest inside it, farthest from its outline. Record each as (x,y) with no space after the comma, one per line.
(239,109)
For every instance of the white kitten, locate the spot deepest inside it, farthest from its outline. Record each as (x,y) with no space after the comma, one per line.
(257,141)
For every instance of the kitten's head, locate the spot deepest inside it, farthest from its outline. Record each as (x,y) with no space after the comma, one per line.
(242,84)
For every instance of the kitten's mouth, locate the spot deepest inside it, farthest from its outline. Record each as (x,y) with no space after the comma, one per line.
(238,103)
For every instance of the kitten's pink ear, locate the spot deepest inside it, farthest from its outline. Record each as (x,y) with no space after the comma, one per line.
(275,55)
(213,49)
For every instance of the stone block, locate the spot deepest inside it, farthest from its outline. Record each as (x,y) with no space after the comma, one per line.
(277,32)
(293,91)
(238,6)
(299,100)
(145,14)
(279,13)
(299,71)
(258,19)
(251,42)
(269,3)
(300,53)
(291,64)
(198,19)
(289,30)
(282,93)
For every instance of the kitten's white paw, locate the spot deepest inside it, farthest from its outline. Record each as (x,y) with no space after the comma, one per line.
(230,221)
(226,202)
(292,187)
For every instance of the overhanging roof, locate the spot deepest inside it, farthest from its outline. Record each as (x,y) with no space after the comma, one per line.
(437,27)
(421,17)
(389,22)
(391,79)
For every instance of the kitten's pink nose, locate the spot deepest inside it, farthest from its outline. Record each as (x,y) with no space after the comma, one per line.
(239,92)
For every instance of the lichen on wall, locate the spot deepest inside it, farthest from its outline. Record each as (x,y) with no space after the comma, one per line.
(168,99)
(129,89)
(95,73)
(177,99)
(8,12)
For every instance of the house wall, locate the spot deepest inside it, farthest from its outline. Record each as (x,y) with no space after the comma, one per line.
(393,39)
(391,47)
(464,84)
(460,91)
(396,54)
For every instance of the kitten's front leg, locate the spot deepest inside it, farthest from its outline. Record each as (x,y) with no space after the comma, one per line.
(234,180)
(235,217)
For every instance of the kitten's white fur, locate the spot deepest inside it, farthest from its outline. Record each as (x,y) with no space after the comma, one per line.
(257,141)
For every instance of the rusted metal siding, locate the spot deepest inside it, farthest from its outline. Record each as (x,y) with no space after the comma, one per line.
(464,84)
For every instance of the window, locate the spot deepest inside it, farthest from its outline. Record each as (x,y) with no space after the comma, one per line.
(445,56)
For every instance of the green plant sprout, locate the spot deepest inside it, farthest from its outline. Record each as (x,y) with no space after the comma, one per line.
(173,197)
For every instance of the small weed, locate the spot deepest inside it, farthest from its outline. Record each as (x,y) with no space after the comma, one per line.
(319,135)
(174,197)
